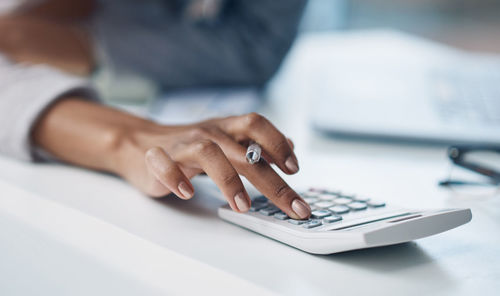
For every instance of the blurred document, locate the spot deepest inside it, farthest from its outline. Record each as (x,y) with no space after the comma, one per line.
(188,106)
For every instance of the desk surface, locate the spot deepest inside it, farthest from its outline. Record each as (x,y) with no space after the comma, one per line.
(463,261)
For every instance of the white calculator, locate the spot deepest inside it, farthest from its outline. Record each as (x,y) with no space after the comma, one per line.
(342,222)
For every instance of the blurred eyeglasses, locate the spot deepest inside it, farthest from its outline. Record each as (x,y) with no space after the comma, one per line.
(483,164)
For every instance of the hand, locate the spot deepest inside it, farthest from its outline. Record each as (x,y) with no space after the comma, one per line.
(37,41)
(161,159)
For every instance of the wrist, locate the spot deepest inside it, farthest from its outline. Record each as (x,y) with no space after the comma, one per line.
(88,134)
(129,143)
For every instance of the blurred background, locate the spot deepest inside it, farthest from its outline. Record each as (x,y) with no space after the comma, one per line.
(468,24)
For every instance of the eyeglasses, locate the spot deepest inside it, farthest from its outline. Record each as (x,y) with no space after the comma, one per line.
(483,161)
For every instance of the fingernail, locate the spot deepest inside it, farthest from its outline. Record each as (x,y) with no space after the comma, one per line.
(301,209)
(186,191)
(291,164)
(241,202)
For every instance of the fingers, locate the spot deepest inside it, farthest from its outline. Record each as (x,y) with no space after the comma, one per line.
(273,142)
(269,183)
(168,173)
(265,179)
(209,156)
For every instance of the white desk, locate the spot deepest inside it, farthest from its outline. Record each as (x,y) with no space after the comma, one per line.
(463,261)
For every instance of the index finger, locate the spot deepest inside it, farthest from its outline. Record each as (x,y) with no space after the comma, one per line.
(265,179)
(269,183)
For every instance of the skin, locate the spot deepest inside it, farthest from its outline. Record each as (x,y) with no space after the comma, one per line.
(50,33)
(156,159)
(159,159)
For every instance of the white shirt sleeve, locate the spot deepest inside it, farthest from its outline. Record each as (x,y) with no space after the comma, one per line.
(26,91)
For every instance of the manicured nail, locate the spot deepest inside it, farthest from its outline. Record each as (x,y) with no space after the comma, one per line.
(301,209)
(186,191)
(291,164)
(241,202)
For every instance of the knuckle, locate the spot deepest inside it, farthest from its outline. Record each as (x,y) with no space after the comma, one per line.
(280,147)
(254,119)
(171,171)
(152,152)
(200,132)
(283,193)
(231,180)
(206,147)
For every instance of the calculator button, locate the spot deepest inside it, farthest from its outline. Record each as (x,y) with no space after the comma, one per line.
(342,200)
(310,200)
(311,224)
(324,204)
(261,199)
(268,211)
(348,195)
(333,192)
(357,206)
(256,206)
(281,216)
(313,189)
(318,214)
(362,198)
(296,222)
(311,193)
(326,197)
(331,219)
(340,209)
(376,204)
(314,207)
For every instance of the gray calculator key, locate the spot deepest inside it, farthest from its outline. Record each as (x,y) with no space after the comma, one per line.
(256,206)
(261,199)
(318,214)
(357,206)
(340,209)
(281,216)
(331,219)
(312,224)
(323,204)
(333,192)
(311,193)
(375,204)
(268,211)
(310,200)
(362,198)
(342,200)
(296,222)
(348,195)
(326,196)
(314,189)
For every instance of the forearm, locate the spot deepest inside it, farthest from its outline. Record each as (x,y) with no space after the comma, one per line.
(85,133)
(159,160)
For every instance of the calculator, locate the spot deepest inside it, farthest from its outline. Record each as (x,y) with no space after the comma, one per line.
(342,221)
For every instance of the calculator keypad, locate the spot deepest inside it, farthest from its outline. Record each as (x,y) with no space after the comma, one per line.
(318,214)
(312,223)
(328,206)
(281,216)
(270,210)
(324,204)
(357,206)
(296,222)
(340,209)
(332,218)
